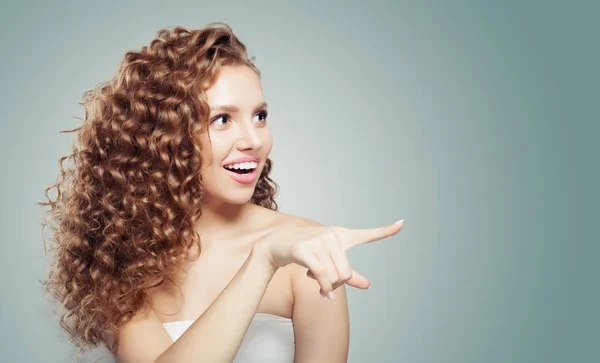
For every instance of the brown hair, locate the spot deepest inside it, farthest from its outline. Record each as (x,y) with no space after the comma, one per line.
(124,211)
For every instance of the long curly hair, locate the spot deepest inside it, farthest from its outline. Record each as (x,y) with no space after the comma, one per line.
(125,209)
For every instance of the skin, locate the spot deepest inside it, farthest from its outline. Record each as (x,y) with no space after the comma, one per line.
(229,228)
(232,134)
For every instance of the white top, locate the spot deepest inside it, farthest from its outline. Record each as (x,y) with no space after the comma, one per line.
(269,339)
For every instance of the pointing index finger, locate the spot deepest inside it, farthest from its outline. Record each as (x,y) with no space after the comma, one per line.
(353,237)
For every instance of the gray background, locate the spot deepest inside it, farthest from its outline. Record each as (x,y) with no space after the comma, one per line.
(475,121)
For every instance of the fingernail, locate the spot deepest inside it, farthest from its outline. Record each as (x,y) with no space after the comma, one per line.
(331,296)
(400,221)
(369,287)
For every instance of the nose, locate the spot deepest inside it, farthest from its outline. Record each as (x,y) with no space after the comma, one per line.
(249,138)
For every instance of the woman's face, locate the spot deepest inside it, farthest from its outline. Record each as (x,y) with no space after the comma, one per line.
(237,129)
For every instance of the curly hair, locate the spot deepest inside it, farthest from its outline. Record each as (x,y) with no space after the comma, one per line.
(124,211)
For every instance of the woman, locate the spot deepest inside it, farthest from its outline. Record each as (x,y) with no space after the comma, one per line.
(169,246)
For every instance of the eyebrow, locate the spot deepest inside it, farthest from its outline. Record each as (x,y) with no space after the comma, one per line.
(230,108)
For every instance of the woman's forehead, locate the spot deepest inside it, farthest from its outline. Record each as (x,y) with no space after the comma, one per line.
(236,86)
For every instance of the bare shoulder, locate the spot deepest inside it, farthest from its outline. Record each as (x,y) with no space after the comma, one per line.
(278,218)
(286,219)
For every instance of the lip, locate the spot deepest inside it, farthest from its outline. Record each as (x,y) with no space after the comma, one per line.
(242,159)
(243,178)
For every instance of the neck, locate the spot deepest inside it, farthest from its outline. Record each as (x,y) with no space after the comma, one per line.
(222,220)
(230,228)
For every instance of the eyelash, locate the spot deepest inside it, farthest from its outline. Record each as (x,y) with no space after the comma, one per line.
(264,114)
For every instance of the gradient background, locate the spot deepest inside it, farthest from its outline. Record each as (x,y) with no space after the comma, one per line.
(475,121)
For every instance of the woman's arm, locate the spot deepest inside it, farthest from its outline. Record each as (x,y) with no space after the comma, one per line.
(321,326)
(216,335)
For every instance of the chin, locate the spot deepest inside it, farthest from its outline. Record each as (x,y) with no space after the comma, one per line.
(240,196)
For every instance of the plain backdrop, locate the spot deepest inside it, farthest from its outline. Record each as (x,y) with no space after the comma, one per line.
(475,121)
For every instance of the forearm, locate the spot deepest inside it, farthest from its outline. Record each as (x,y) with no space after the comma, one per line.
(218,333)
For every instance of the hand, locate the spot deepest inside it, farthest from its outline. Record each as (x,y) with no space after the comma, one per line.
(322,250)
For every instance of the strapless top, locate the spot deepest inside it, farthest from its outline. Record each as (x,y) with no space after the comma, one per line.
(269,339)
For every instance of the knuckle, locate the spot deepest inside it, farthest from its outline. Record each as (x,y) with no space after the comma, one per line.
(327,234)
(316,242)
(320,271)
(338,231)
(332,235)
(333,275)
(346,275)
(298,251)
(325,246)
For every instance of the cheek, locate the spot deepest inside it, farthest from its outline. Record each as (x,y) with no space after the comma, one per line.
(267,142)
(213,150)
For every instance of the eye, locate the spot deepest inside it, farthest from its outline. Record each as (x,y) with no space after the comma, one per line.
(263,114)
(220,117)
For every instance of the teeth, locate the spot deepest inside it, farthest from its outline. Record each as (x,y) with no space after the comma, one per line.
(247,165)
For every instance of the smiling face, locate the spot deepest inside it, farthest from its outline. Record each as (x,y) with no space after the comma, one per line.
(237,129)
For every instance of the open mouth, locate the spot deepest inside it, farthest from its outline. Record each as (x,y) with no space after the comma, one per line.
(244,173)
(240,171)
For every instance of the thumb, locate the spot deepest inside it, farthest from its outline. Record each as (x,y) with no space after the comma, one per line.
(358,281)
